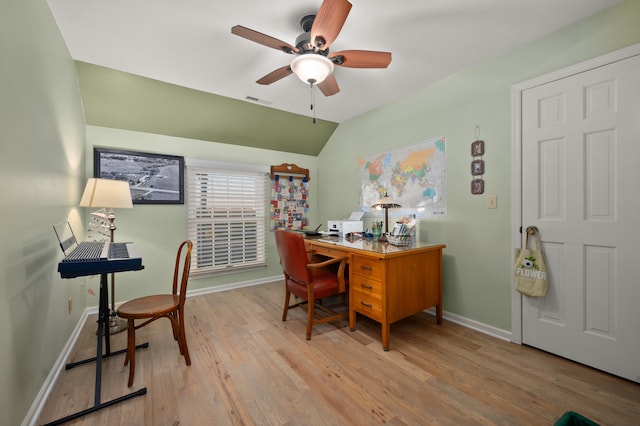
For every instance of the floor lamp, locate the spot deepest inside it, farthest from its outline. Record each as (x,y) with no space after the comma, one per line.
(385,203)
(108,193)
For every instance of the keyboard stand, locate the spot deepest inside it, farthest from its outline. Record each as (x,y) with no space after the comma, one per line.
(103,331)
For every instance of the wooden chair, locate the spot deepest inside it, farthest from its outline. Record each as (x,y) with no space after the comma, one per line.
(153,307)
(309,281)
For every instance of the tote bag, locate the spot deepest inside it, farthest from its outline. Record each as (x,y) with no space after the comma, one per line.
(531,277)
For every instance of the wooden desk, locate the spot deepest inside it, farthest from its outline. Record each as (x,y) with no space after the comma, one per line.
(388,283)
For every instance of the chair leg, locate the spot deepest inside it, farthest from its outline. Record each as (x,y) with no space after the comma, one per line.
(131,350)
(174,327)
(183,338)
(310,316)
(287,299)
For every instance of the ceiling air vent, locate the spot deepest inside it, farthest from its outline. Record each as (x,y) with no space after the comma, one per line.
(257,100)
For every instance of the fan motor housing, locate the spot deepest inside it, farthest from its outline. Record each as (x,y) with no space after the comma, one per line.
(303,41)
(306,22)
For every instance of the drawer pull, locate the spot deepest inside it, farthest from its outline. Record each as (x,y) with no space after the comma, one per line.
(366,267)
(366,305)
(367,286)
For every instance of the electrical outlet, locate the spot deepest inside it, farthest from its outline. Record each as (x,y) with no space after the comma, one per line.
(492,202)
(70,305)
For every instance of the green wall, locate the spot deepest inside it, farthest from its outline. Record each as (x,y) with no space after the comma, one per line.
(42,147)
(158,229)
(478,257)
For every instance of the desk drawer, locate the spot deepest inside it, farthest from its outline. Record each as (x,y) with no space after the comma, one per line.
(366,285)
(367,303)
(328,251)
(367,267)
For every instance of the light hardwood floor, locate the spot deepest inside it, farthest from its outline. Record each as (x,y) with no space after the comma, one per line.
(250,368)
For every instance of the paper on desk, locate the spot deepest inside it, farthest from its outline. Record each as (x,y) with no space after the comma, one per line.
(356,216)
(324,240)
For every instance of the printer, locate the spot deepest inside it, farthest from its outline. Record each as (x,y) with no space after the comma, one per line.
(344,227)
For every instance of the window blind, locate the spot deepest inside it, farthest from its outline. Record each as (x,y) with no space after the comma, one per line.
(226,219)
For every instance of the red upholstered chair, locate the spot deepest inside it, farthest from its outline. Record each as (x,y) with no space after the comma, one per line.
(156,306)
(309,281)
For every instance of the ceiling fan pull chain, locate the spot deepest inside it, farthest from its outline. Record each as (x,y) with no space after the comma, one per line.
(313,101)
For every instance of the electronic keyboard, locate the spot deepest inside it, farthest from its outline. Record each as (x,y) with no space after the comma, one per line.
(100,257)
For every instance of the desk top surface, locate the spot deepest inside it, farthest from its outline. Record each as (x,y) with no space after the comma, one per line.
(373,246)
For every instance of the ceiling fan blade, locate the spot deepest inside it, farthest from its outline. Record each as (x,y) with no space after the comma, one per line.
(329,86)
(263,39)
(328,22)
(276,75)
(361,59)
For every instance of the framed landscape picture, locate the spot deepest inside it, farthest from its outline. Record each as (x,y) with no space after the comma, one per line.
(153,178)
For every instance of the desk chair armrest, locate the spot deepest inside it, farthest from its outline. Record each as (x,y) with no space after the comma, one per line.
(311,255)
(341,269)
(327,262)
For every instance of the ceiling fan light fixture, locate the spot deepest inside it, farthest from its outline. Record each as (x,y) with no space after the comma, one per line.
(312,68)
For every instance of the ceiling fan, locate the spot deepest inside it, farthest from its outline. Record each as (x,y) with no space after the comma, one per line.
(313,63)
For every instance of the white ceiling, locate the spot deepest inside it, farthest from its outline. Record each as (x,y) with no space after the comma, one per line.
(189,42)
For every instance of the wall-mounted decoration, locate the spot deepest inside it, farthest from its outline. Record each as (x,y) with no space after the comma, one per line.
(477,186)
(477,148)
(153,178)
(289,197)
(413,176)
(477,164)
(477,167)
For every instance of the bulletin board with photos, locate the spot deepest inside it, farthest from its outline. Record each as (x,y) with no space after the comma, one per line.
(289,197)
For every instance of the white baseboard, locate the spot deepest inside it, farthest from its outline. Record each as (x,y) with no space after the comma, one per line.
(474,325)
(233,286)
(57,368)
(214,289)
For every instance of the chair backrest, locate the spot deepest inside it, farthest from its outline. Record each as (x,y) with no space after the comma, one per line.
(293,256)
(183,259)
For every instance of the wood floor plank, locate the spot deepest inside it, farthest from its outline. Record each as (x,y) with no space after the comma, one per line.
(251,368)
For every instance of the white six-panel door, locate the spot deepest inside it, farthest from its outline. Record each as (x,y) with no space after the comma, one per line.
(581,188)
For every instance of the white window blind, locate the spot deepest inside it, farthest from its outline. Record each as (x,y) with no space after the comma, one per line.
(226,219)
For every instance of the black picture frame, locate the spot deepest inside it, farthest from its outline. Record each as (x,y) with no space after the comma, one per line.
(477,167)
(477,148)
(153,178)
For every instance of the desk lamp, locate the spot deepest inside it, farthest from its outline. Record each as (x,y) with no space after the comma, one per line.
(108,193)
(385,203)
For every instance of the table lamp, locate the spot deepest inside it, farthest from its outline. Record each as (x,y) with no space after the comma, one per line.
(108,193)
(385,203)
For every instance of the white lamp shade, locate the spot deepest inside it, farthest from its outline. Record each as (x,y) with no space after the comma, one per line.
(106,193)
(312,68)
(387,202)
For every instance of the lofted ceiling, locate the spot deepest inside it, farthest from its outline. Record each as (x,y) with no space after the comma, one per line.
(173,67)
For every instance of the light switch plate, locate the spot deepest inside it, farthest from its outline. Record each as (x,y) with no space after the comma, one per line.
(492,202)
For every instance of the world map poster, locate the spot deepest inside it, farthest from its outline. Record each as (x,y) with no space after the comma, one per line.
(413,176)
